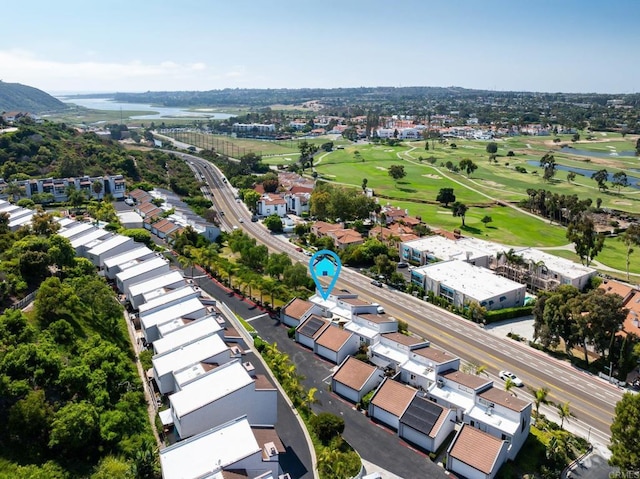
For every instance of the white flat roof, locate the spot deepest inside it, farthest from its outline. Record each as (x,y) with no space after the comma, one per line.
(188,354)
(156,283)
(20,221)
(75,229)
(19,213)
(473,281)
(445,249)
(147,265)
(65,222)
(389,352)
(127,256)
(332,305)
(179,310)
(174,295)
(209,452)
(420,369)
(109,244)
(361,330)
(192,331)
(479,412)
(555,263)
(8,208)
(89,237)
(452,396)
(210,387)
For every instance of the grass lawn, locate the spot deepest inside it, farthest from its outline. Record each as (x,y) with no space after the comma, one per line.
(614,255)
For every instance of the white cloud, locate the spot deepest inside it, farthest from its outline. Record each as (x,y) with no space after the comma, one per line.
(24,67)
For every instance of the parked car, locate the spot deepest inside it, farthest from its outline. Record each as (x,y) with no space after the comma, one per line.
(298,249)
(402,264)
(129,201)
(377,283)
(504,375)
(308,253)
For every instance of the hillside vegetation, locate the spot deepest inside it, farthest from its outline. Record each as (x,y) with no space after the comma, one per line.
(18,97)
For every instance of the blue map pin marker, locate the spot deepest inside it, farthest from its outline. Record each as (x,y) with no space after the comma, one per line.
(325,264)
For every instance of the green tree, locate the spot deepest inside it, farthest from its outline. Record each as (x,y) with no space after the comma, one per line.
(588,243)
(446,196)
(492,148)
(364,183)
(29,421)
(97,188)
(75,197)
(548,164)
(327,426)
(564,412)
(600,177)
(295,276)
(460,209)
(468,166)
(397,172)
(619,180)
(486,220)
(540,397)
(384,266)
(55,300)
(630,238)
(571,176)
(251,198)
(111,467)
(75,428)
(277,263)
(625,434)
(273,223)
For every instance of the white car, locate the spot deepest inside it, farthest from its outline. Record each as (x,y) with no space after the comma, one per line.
(504,375)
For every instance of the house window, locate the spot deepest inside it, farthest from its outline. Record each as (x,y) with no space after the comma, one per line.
(413,377)
(506,438)
(524,423)
(472,423)
(503,298)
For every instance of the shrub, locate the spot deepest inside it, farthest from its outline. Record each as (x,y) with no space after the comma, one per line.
(511,153)
(507,313)
(291,332)
(259,344)
(327,426)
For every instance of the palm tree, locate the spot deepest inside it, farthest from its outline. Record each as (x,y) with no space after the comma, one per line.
(564,412)
(540,396)
(509,385)
(475,368)
(13,190)
(97,188)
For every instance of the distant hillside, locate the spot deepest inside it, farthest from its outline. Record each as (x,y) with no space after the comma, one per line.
(18,97)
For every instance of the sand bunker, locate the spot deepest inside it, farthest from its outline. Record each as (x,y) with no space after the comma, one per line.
(623,203)
(433,177)
(493,184)
(381,168)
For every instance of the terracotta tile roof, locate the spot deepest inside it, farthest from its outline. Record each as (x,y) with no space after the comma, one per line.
(264,435)
(297,308)
(408,237)
(346,236)
(333,338)
(468,380)
(476,448)
(301,189)
(354,373)
(263,382)
(632,321)
(505,399)
(403,339)
(411,221)
(376,318)
(393,397)
(273,200)
(448,234)
(436,355)
(323,228)
(259,188)
(617,287)
(355,301)
(145,207)
(235,474)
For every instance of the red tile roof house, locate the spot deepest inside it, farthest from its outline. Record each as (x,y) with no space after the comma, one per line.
(271,204)
(335,344)
(298,310)
(345,237)
(354,379)
(390,401)
(476,454)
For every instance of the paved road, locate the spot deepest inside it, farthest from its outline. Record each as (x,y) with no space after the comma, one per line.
(592,400)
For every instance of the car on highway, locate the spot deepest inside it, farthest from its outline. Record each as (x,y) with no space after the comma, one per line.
(299,249)
(240,220)
(402,264)
(377,283)
(308,253)
(504,375)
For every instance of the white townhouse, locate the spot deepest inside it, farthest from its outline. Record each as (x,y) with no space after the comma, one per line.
(426,423)
(192,359)
(114,264)
(271,204)
(186,333)
(393,349)
(172,298)
(354,379)
(424,364)
(461,283)
(390,401)
(457,390)
(475,454)
(232,446)
(191,308)
(144,291)
(108,248)
(81,244)
(435,248)
(298,310)
(369,326)
(140,271)
(221,395)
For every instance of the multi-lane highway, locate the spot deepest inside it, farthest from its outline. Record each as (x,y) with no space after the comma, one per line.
(591,399)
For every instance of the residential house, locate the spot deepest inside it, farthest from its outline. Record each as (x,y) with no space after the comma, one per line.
(631,300)
(369,326)
(426,424)
(457,390)
(354,379)
(298,310)
(75,229)
(436,248)
(461,283)
(141,271)
(144,291)
(310,329)
(82,243)
(194,358)
(271,204)
(424,364)
(190,309)
(335,344)
(115,264)
(393,349)
(220,395)
(345,237)
(232,446)
(172,298)
(475,454)
(390,401)
(187,332)
(113,246)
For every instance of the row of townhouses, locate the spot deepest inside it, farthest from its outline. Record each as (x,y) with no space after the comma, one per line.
(93,187)
(221,414)
(418,390)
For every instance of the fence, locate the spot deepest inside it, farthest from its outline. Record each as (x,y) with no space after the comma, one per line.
(24,301)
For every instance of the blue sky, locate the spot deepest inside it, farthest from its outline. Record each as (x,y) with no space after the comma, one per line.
(135,45)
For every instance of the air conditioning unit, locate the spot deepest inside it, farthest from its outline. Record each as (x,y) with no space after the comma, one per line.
(440,382)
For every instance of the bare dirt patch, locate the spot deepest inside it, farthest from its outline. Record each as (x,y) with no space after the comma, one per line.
(493,184)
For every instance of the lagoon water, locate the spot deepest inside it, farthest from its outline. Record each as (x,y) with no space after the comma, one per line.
(155,112)
(598,154)
(633,181)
